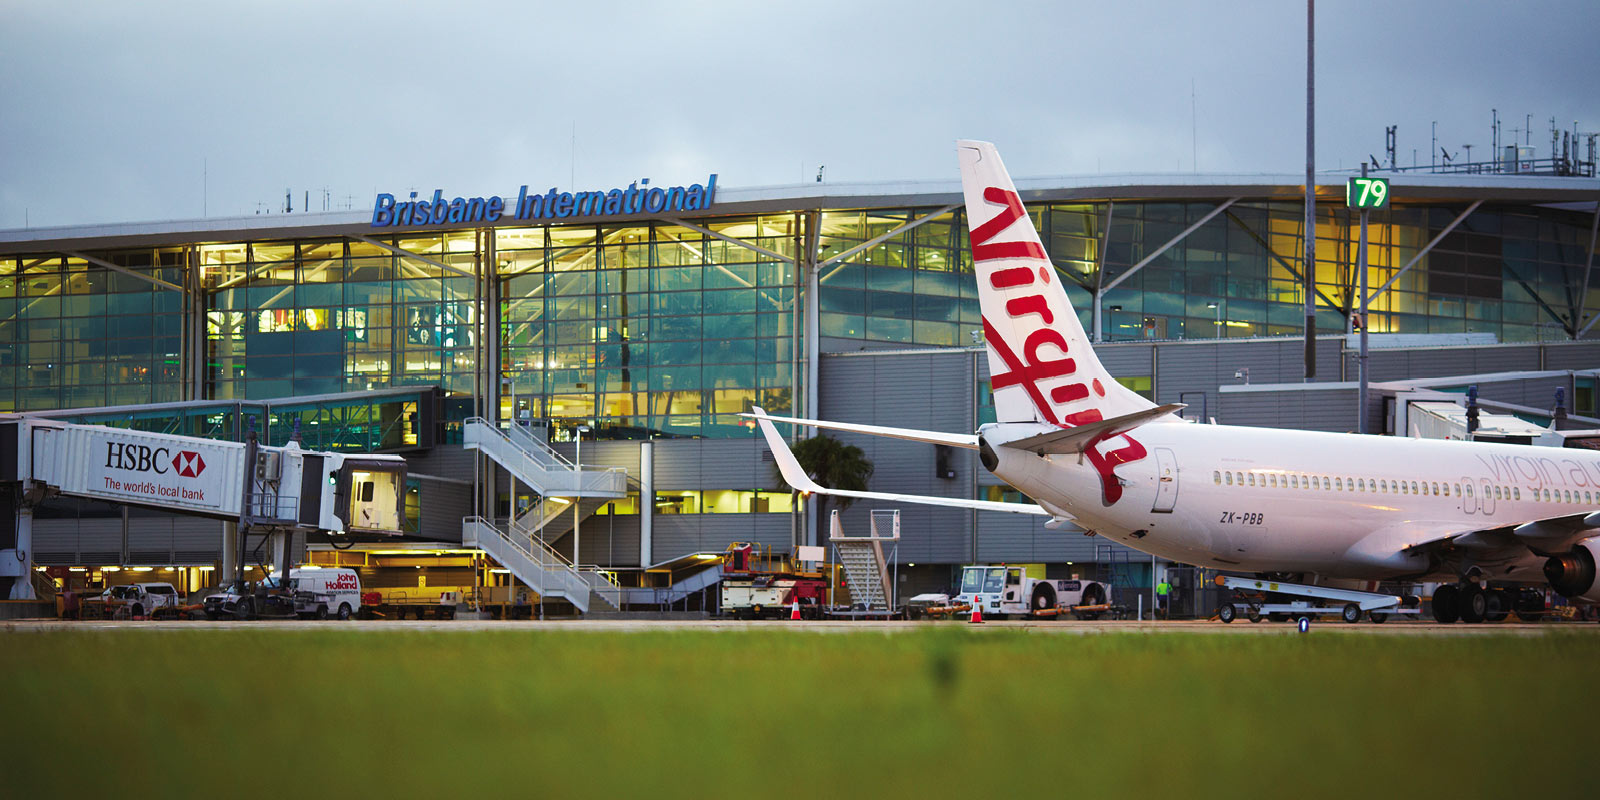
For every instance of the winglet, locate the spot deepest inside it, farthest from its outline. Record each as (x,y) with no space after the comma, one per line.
(787,463)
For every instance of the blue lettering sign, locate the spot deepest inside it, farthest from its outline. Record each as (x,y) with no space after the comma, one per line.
(638,198)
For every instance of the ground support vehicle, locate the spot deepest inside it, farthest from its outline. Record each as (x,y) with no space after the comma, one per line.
(320,593)
(772,596)
(250,600)
(133,601)
(1004,591)
(1251,600)
(758,585)
(422,604)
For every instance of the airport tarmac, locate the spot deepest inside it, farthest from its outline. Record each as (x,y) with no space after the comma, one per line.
(1063,627)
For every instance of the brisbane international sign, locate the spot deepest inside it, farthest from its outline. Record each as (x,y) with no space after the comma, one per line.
(639,198)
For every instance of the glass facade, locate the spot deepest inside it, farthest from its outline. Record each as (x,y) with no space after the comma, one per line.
(1514,272)
(653,329)
(648,331)
(75,334)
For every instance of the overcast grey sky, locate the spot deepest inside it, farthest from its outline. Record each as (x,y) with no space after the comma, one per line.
(155,110)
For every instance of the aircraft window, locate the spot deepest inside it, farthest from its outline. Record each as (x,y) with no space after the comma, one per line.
(1458,490)
(1239,476)
(1252,478)
(1447,490)
(1436,489)
(1516,492)
(1274,480)
(1325,483)
(1497,493)
(1338,484)
(1414,488)
(1216,477)
(1228,478)
(1361,484)
(1569,497)
(1293,482)
(1469,490)
(1403,489)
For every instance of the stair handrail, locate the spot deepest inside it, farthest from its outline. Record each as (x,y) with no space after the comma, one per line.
(593,476)
(541,556)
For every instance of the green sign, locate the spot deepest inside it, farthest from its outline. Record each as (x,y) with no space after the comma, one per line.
(1367,193)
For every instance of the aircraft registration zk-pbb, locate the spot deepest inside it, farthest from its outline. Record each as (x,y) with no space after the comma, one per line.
(1331,507)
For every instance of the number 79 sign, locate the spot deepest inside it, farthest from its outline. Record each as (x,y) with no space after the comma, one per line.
(1367,193)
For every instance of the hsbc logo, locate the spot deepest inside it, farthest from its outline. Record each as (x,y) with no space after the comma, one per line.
(189,464)
(159,460)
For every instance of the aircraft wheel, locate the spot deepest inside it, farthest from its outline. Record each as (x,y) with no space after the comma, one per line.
(1499,605)
(1446,604)
(1351,613)
(1226,612)
(1474,604)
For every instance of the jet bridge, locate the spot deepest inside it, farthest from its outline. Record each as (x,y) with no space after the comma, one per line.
(261,487)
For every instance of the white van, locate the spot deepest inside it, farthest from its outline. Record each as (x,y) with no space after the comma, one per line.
(324,592)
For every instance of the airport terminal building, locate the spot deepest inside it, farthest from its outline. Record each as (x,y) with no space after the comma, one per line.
(640,321)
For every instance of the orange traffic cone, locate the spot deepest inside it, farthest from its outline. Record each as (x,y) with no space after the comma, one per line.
(977,610)
(794,610)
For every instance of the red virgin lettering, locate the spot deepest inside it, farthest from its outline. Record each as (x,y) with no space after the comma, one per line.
(1032,304)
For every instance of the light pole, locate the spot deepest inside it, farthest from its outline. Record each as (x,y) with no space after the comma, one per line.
(577,461)
(1218,307)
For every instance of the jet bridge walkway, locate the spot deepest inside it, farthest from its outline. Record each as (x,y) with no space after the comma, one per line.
(276,488)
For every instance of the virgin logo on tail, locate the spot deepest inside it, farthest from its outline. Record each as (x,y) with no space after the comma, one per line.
(1032,366)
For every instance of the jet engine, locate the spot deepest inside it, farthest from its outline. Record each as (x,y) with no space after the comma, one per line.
(1572,574)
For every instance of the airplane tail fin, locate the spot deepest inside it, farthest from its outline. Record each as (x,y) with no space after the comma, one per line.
(1042,367)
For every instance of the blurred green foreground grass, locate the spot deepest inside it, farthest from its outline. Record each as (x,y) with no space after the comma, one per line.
(941,713)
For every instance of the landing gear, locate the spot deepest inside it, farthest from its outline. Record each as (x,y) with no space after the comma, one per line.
(1530,605)
(1474,603)
(1446,604)
(1499,605)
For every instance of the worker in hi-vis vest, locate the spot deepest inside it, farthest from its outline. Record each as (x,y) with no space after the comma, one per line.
(1163,594)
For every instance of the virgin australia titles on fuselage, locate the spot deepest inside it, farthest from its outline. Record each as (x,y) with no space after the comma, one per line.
(1235,498)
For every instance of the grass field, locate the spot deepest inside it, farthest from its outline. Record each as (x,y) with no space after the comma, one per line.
(942,713)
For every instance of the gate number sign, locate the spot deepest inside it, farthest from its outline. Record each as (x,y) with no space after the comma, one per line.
(1367,193)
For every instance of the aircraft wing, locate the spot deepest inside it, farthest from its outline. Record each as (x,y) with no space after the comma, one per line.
(1415,544)
(796,477)
(1545,535)
(967,441)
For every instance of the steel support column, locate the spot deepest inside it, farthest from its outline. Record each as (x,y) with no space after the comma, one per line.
(884,237)
(1424,251)
(1588,267)
(1170,242)
(1100,274)
(100,262)
(404,253)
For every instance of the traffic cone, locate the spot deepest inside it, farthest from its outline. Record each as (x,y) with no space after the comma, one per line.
(794,610)
(977,611)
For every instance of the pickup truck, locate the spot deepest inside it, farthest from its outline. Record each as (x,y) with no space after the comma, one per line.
(133,600)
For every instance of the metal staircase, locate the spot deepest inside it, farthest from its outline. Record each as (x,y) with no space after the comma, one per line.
(866,571)
(551,518)
(540,467)
(531,560)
